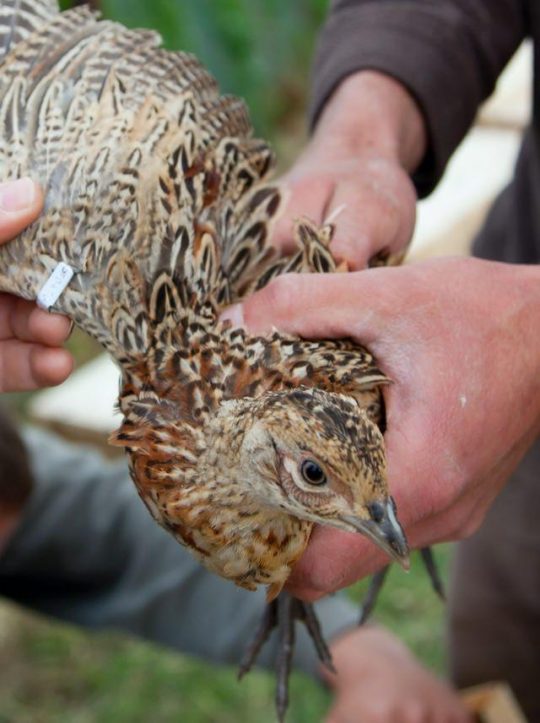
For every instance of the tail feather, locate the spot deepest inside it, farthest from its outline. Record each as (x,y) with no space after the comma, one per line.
(151,178)
(20,18)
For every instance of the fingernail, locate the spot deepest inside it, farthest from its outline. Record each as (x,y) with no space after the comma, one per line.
(234,314)
(17,195)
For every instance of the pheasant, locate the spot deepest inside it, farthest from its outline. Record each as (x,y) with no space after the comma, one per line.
(157,215)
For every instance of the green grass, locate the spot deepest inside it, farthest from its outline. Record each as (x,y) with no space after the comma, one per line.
(57,674)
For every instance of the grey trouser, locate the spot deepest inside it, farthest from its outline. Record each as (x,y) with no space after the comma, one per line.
(495,601)
(88,552)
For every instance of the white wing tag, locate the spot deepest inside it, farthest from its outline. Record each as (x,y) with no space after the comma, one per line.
(52,289)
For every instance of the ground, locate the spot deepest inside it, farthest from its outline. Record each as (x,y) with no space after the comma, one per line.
(57,674)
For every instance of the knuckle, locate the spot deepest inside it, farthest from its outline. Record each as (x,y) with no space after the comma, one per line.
(460,524)
(443,498)
(377,713)
(414,712)
(280,292)
(469,525)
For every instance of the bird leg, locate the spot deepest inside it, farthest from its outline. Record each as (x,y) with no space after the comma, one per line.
(267,624)
(282,613)
(372,595)
(377,581)
(433,571)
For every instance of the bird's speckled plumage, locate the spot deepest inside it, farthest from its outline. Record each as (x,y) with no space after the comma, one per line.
(156,195)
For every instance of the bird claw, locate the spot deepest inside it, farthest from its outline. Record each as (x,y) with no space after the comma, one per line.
(282,613)
(372,595)
(377,581)
(433,572)
(267,624)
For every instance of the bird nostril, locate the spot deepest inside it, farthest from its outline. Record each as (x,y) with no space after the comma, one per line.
(376,510)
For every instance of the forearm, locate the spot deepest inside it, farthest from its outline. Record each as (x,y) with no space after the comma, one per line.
(529,299)
(370,110)
(447,53)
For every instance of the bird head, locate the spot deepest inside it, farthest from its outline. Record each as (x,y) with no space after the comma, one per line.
(318,457)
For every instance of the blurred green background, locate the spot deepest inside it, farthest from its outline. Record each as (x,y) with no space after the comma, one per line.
(261,50)
(258,49)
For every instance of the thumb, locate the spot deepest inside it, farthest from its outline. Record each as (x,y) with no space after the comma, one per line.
(317,306)
(20,203)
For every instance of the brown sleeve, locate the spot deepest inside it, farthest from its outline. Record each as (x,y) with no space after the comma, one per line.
(448,53)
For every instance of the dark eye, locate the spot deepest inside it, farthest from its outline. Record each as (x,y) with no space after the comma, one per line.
(312,473)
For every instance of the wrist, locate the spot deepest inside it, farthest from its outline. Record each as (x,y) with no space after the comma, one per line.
(370,111)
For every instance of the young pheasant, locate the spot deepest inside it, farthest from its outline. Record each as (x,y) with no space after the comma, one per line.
(156,217)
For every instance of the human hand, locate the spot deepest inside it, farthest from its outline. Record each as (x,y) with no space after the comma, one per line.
(379,681)
(356,169)
(29,337)
(459,338)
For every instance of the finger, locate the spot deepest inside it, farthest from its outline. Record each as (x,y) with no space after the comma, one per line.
(319,306)
(370,220)
(336,715)
(333,560)
(25,367)
(24,321)
(306,198)
(20,203)
(453,509)
(463,517)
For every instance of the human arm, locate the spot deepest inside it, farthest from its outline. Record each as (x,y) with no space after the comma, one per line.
(434,63)
(356,170)
(459,339)
(88,552)
(30,338)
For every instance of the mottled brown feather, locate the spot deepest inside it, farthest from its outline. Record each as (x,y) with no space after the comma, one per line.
(157,196)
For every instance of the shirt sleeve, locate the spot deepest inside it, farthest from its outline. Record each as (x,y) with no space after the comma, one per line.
(447,53)
(88,552)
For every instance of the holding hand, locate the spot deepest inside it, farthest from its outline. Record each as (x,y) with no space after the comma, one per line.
(459,339)
(29,337)
(355,171)
(379,681)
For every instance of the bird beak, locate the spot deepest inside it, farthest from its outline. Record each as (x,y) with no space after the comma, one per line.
(386,533)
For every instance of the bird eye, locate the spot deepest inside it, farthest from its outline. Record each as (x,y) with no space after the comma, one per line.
(312,473)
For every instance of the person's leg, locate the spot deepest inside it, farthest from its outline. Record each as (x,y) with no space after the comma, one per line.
(495,598)
(15,472)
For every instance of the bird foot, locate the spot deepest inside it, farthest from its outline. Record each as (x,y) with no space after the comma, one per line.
(377,581)
(282,613)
